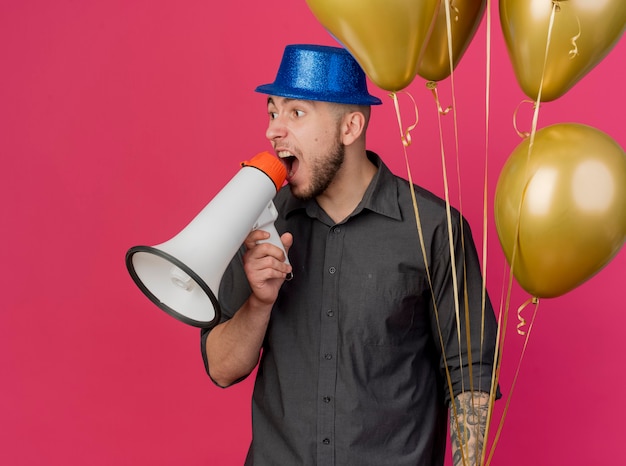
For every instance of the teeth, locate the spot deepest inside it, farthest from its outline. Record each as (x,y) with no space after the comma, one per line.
(283,154)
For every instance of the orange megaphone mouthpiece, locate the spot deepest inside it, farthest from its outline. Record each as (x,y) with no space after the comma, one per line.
(270,165)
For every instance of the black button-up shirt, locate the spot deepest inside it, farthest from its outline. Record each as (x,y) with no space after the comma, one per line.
(352,371)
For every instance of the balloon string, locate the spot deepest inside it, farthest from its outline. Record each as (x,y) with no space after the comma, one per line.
(495,373)
(555,8)
(534,301)
(492,387)
(453,264)
(504,322)
(533,131)
(432,85)
(405,143)
(505,313)
(405,134)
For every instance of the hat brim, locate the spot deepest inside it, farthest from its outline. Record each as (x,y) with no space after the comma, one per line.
(304,94)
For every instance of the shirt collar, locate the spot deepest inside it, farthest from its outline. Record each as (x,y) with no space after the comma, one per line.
(381,196)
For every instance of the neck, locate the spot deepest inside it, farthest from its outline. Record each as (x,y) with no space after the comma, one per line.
(347,189)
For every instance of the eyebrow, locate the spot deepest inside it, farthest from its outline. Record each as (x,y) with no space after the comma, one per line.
(286,100)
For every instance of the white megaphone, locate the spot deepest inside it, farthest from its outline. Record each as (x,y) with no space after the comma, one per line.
(182,276)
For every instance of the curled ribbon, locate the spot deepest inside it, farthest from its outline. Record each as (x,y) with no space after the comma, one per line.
(574,52)
(456,11)
(432,85)
(556,4)
(405,134)
(522,134)
(521,321)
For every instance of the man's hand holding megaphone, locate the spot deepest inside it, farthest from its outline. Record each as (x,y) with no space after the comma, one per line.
(266,265)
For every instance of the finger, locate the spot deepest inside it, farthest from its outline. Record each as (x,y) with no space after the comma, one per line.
(258,261)
(287,240)
(254,237)
(263,271)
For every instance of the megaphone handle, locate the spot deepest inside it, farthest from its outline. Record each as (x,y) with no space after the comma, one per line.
(274,239)
(265,222)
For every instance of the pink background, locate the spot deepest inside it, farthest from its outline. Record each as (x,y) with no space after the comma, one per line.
(119,120)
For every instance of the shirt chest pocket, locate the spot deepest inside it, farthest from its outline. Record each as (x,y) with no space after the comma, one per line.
(388,309)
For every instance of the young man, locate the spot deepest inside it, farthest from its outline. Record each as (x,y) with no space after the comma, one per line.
(351,368)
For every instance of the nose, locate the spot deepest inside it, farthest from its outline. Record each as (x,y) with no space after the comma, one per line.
(276,129)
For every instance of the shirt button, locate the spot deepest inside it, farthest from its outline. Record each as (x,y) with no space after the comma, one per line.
(330,313)
(326,441)
(328,356)
(337,229)
(326,399)
(332,270)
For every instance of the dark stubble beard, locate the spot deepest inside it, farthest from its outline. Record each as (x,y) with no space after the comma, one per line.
(323,172)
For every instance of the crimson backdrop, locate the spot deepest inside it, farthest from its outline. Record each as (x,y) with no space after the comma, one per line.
(120,119)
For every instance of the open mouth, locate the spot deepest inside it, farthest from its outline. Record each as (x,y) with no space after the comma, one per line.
(289,161)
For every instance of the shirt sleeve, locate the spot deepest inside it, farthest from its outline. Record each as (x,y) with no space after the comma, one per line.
(463,322)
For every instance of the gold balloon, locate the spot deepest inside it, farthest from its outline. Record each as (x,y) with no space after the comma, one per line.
(568,196)
(465,17)
(386,37)
(584,32)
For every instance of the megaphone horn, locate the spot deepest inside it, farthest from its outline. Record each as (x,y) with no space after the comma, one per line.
(182,276)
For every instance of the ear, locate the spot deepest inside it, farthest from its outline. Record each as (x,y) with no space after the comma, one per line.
(352,127)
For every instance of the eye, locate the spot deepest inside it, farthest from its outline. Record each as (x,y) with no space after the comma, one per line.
(297,113)
(272,115)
